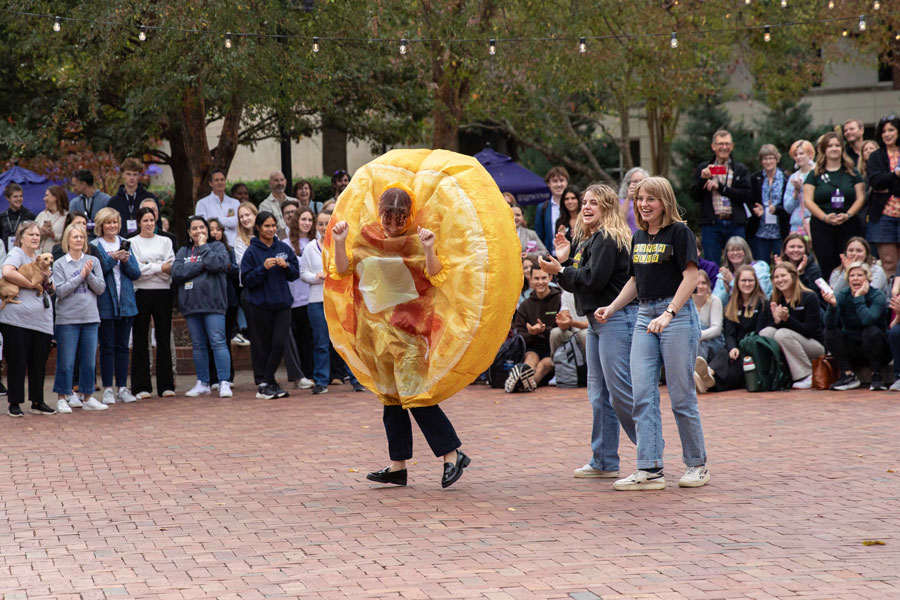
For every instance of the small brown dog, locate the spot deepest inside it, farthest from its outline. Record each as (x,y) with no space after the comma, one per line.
(38,272)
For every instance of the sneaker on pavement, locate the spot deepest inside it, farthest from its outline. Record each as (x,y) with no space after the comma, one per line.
(214,386)
(225,390)
(895,387)
(877,384)
(15,411)
(140,395)
(240,340)
(847,381)
(127,397)
(93,404)
(200,389)
(588,471)
(168,394)
(277,391)
(358,387)
(73,400)
(305,384)
(109,396)
(320,389)
(41,409)
(640,481)
(264,392)
(62,406)
(703,377)
(522,374)
(803,384)
(694,477)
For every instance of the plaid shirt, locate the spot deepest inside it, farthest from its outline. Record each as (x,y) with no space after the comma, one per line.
(721,204)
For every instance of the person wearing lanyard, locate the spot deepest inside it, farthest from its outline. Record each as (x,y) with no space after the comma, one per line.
(130,195)
(14,216)
(769,223)
(90,200)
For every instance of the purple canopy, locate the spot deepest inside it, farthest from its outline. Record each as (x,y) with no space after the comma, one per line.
(33,186)
(527,187)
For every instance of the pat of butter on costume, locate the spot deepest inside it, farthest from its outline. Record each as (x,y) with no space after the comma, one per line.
(415,339)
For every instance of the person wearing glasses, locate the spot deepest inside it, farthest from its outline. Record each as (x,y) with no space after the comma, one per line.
(721,188)
(883,171)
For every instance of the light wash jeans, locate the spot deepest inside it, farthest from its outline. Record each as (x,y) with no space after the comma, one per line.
(209,327)
(74,342)
(676,348)
(608,352)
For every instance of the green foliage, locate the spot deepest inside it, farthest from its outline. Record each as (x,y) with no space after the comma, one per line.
(784,124)
(258,188)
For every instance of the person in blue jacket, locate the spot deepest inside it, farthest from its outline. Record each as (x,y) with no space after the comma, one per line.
(199,276)
(267,266)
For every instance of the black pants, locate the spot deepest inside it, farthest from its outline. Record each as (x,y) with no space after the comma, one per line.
(230,332)
(272,329)
(302,330)
(435,426)
(155,304)
(872,350)
(26,352)
(828,241)
(729,373)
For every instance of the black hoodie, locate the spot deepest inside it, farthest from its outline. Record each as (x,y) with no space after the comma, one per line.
(597,273)
(534,308)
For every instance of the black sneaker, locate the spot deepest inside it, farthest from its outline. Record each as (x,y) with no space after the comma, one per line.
(877,384)
(320,389)
(41,409)
(846,382)
(358,387)
(264,392)
(277,392)
(3,391)
(15,411)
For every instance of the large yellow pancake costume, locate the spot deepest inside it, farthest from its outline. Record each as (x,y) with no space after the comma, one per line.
(416,340)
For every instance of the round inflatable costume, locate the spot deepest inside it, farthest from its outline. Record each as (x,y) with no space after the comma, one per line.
(411,338)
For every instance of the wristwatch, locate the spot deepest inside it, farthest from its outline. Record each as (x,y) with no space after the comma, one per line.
(671,311)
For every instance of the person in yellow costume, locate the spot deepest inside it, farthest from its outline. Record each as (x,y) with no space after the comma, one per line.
(420,291)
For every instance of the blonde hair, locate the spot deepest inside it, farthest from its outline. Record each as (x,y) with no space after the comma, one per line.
(658,187)
(861,165)
(736,306)
(858,265)
(610,222)
(807,147)
(243,233)
(69,231)
(104,215)
(797,289)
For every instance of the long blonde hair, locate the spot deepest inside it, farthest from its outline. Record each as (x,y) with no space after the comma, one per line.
(658,187)
(797,287)
(611,222)
(246,234)
(736,306)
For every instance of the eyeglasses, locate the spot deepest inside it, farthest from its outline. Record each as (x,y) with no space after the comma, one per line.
(646,199)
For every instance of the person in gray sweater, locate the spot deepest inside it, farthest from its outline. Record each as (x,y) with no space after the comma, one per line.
(78,279)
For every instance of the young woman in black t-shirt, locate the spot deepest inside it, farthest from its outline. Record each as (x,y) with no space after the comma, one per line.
(663,273)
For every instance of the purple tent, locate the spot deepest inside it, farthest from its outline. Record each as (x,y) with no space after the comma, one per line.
(527,187)
(33,186)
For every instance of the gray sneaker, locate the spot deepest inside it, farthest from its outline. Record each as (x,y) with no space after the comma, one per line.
(587,471)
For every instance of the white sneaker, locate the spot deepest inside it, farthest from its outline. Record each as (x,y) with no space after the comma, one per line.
(62,406)
(73,400)
(240,340)
(214,386)
(109,396)
(126,396)
(201,389)
(694,477)
(142,395)
(803,384)
(895,387)
(589,471)
(641,480)
(305,384)
(93,404)
(225,390)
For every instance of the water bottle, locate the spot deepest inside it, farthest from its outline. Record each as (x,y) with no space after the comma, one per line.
(750,374)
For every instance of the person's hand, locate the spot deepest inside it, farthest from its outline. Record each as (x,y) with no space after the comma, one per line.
(536,329)
(798,185)
(270,262)
(726,275)
(862,291)
(603,313)
(711,185)
(776,258)
(167,267)
(758,209)
(802,266)
(340,231)
(829,298)
(551,267)
(564,319)
(120,255)
(771,209)
(201,238)
(734,354)
(281,262)
(320,275)
(427,237)
(46,229)
(845,262)
(86,268)
(842,218)
(659,323)
(705,173)
(832,219)
(776,313)
(563,247)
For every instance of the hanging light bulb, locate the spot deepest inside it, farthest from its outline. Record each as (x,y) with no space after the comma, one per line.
(845,33)
(315,44)
(403,46)
(747,2)
(862,22)
(876,5)
(143,34)
(767,36)
(783,3)
(830,3)
(57,24)
(897,36)
(492,47)
(228,39)
(582,45)
(674,41)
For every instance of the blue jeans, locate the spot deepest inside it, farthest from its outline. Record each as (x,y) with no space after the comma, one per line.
(708,349)
(114,336)
(608,350)
(209,327)
(676,348)
(764,249)
(714,237)
(75,341)
(321,356)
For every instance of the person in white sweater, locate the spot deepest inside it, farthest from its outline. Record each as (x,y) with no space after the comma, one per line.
(312,273)
(52,219)
(153,295)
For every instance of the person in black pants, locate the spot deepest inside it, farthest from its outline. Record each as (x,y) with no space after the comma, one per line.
(267,266)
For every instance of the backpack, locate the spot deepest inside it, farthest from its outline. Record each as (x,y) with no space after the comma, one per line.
(771,373)
(570,365)
(511,353)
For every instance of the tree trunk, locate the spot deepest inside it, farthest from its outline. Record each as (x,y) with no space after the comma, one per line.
(228,138)
(452,87)
(625,138)
(183,202)
(334,148)
(193,131)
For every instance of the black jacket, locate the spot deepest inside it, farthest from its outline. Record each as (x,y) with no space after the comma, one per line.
(756,187)
(736,331)
(805,318)
(532,309)
(120,203)
(9,223)
(738,193)
(599,275)
(883,182)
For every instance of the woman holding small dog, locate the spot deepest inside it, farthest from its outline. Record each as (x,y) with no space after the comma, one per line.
(27,323)
(78,279)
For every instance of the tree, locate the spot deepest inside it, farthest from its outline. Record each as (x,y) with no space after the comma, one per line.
(784,124)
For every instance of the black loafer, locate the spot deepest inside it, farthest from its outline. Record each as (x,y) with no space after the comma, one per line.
(385,475)
(453,471)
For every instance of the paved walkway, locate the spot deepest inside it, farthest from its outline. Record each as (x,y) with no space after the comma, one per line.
(250,499)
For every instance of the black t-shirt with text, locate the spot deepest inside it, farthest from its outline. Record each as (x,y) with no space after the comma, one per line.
(658,261)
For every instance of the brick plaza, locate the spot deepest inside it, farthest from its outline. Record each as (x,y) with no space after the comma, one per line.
(252,499)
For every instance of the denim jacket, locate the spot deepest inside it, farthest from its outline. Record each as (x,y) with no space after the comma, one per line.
(111,304)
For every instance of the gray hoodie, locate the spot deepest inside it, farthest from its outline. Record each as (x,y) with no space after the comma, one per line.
(76,297)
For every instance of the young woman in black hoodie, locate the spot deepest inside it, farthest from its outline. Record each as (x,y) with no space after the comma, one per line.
(595,275)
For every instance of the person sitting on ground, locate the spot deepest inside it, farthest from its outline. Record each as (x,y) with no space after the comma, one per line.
(712,341)
(858,250)
(894,328)
(795,249)
(711,268)
(854,328)
(535,319)
(529,260)
(795,323)
(527,237)
(737,252)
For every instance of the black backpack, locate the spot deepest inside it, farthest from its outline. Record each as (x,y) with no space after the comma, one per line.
(511,353)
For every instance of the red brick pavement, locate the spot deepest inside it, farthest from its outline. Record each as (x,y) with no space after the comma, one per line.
(246,499)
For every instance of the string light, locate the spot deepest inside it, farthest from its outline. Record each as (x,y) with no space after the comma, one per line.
(403,46)
(228,39)
(57,24)
(747,2)
(876,5)
(897,36)
(582,45)
(862,22)
(315,44)
(143,34)
(783,3)
(830,3)
(492,47)
(674,41)
(767,36)
(845,33)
